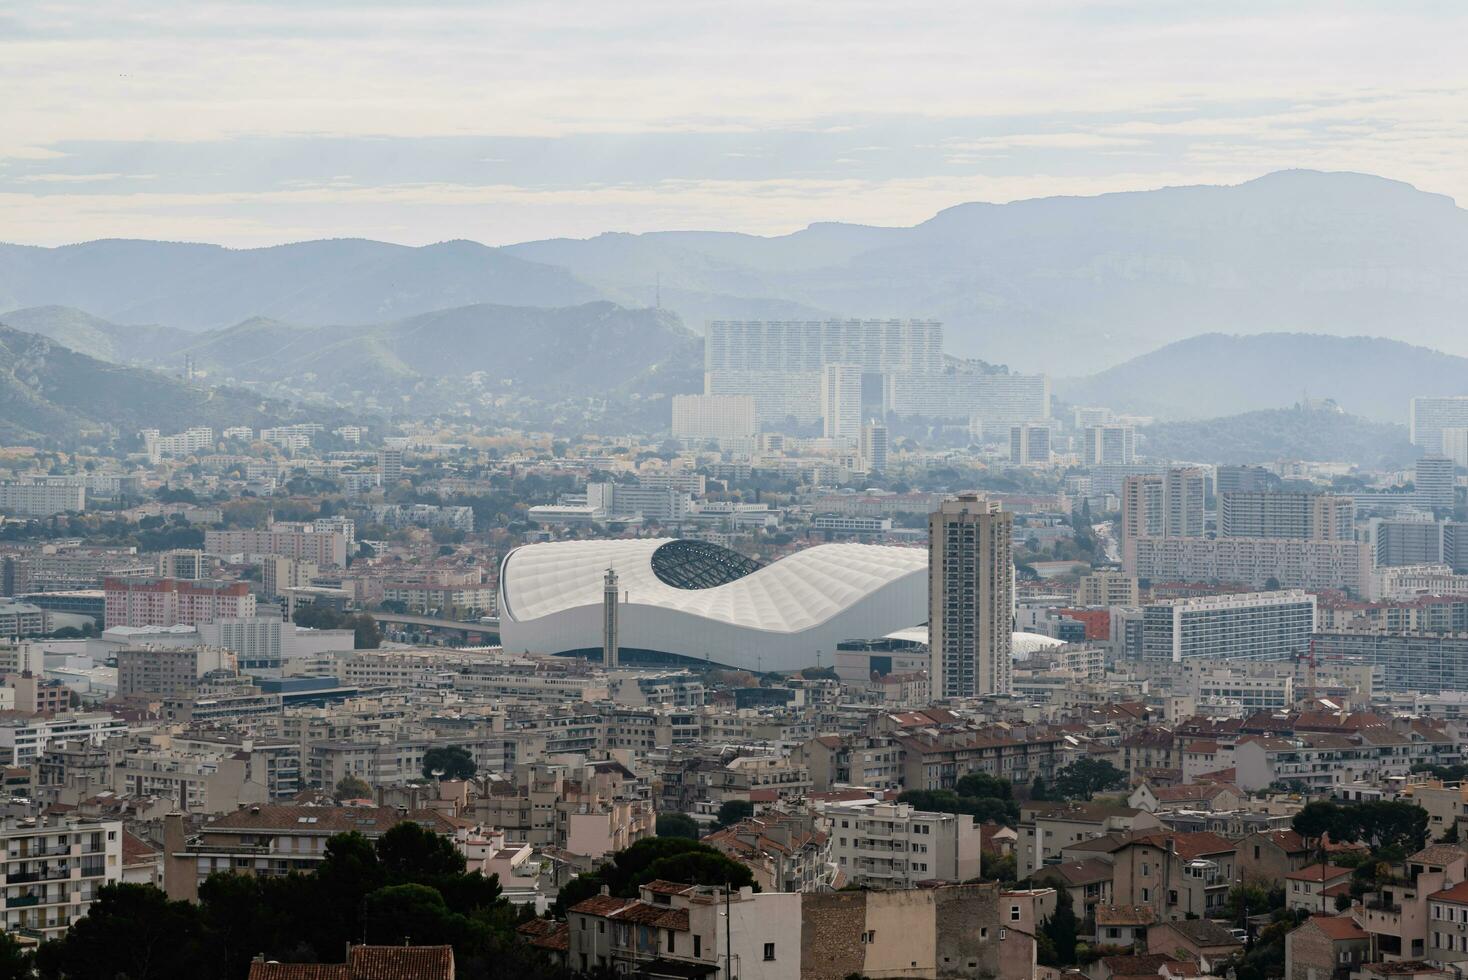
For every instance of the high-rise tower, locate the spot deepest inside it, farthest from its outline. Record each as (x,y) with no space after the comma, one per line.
(970,597)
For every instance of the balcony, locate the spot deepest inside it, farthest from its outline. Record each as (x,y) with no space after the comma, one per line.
(45,874)
(24,901)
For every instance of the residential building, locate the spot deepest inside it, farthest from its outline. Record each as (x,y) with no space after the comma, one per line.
(1245,626)
(1280,514)
(722,418)
(892,845)
(675,930)
(170,602)
(1434,482)
(1429,416)
(875,447)
(1425,662)
(54,867)
(1029,444)
(1315,887)
(784,852)
(1108,444)
(159,671)
(302,541)
(1107,587)
(272,840)
(970,597)
(1326,947)
(35,498)
(841,402)
(1290,563)
(1178,875)
(1048,829)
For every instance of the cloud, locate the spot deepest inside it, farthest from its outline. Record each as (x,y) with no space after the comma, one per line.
(224,103)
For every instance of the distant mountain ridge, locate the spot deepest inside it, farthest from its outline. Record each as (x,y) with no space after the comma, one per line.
(1067,285)
(1216,375)
(1281,433)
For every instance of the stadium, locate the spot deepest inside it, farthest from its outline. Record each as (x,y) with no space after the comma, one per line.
(688,601)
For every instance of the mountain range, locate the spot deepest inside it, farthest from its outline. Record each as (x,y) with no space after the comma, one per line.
(1068,285)
(1216,375)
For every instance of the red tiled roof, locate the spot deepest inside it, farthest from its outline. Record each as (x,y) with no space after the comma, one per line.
(400,963)
(1319,872)
(1337,927)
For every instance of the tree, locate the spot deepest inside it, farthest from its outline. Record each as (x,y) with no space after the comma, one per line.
(400,915)
(448,762)
(352,788)
(1084,778)
(981,785)
(1317,819)
(15,963)
(733,811)
(1061,928)
(677,825)
(411,852)
(654,857)
(365,633)
(130,930)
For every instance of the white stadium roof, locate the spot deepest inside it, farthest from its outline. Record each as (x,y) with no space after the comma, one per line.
(693,599)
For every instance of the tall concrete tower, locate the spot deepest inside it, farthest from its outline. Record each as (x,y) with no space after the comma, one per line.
(970,597)
(609,620)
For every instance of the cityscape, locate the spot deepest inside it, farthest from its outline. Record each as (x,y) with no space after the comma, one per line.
(1041,555)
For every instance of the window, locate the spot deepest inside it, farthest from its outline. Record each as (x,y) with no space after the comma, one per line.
(601,926)
(1003,933)
(1014,913)
(1146,869)
(983,933)
(1256,852)
(697,946)
(671,943)
(769,951)
(869,937)
(1146,894)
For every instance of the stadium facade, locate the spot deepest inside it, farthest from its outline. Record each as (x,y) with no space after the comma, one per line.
(691,601)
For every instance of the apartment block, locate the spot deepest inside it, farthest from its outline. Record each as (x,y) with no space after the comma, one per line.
(892,845)
(970,597)
(170,602)
(1278,514)
(54,867)
(1247,626)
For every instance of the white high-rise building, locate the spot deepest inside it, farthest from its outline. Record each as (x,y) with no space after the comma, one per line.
(841,402)
(970,597)
(1455,446)
(874,447)
(1433,476)
(720,417)
(1429,416)
(1029,444)
(1244,626)
(807,346)
(1107,444)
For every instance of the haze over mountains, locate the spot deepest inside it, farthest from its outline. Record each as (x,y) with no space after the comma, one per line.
(1065,285)
(1219,374)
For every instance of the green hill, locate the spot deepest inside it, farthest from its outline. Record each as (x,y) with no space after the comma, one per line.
(51,394)
(1281,433)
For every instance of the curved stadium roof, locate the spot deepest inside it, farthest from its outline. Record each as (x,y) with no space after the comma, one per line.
(694,599)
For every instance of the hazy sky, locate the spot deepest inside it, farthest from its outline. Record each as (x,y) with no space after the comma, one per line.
(261,122)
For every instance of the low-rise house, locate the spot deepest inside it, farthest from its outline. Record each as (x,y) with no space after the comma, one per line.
(1396,913)
(1192,796)
(367,963)
(1177,874)
(1123,925)
(1270,855)
(1046,829)
(1325,947)
(1313,889)
(1202,941)
(784,852)
(681,931)
(1088,882)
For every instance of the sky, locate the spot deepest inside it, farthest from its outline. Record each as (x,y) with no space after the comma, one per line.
(267,121)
